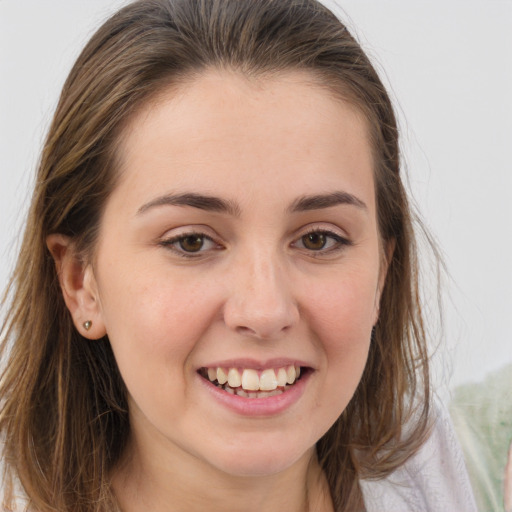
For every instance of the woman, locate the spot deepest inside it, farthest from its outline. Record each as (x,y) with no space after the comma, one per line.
(218,281)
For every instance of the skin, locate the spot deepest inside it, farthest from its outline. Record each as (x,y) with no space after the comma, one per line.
(255,289)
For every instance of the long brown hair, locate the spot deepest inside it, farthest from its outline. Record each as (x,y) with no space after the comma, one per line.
(64,416)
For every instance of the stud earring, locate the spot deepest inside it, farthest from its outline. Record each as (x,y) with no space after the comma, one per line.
(87,325)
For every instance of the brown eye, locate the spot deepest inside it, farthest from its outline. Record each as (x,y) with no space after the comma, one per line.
(191,243)
(322,243)
(314,241)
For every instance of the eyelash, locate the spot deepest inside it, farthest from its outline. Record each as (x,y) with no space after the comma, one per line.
(339,242)
(175,242)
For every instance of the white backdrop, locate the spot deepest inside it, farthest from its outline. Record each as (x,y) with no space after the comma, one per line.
(449,66)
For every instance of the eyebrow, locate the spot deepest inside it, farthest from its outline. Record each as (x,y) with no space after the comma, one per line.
(216,204)
(321,201)
(202,202)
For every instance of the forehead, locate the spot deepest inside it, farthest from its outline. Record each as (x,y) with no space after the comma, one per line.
(224,128)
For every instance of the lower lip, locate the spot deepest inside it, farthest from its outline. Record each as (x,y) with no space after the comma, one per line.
(268,406)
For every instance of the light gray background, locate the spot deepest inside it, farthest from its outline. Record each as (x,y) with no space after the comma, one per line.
(448,65)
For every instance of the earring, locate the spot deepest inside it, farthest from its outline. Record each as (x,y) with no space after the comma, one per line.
(87,325)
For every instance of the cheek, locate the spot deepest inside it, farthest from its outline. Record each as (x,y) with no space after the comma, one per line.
(163,306)
(154,331)
(154,324)
(342,317)
(343,308)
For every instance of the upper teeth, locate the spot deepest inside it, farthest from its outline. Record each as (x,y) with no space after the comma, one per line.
(252,380)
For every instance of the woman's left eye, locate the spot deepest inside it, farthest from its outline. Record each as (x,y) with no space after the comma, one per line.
(190,244)
(321,241)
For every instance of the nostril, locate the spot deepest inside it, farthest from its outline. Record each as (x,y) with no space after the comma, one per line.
(258,324)
(264,332)
(247,331)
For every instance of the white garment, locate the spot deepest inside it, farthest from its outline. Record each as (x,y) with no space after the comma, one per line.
(434,480)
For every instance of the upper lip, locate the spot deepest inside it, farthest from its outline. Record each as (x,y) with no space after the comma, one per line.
(256,364)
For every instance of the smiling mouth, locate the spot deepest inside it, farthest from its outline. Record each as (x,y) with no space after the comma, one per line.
(250,383)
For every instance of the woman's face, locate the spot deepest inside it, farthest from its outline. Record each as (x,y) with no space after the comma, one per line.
(241,242)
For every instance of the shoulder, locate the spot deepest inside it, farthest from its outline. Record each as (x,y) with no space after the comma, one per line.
(434,479)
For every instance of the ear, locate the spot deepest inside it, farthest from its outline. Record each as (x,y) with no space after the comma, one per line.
(78,286)
(387,252)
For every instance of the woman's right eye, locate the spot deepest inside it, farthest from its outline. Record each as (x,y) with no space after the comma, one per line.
(189,245)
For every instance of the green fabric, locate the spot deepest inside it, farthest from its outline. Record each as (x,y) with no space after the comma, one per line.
(482,416)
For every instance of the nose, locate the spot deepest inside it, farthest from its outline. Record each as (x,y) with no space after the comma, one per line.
(260,302)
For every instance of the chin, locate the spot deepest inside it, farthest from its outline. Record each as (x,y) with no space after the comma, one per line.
(261,459)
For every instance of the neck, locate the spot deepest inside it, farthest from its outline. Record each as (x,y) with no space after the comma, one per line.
(160,484)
